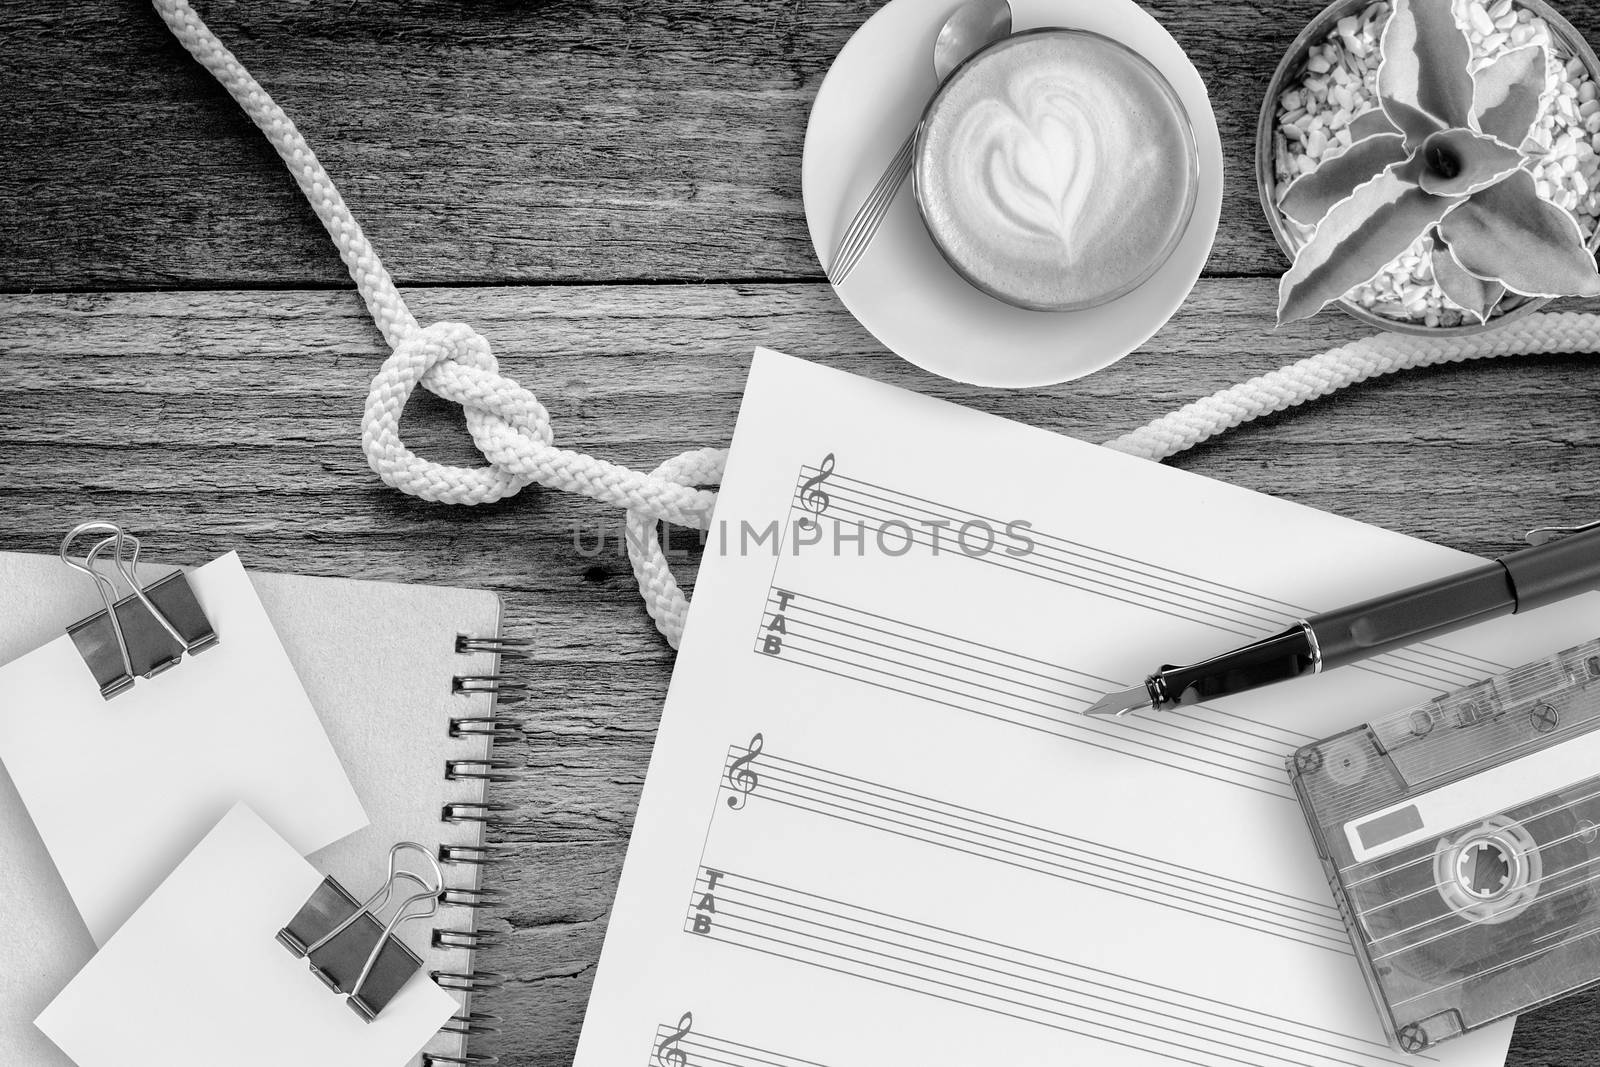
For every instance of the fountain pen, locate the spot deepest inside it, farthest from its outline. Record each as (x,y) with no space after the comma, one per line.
(1553,569)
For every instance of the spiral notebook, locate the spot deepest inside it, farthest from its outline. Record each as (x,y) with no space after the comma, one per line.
(404,679)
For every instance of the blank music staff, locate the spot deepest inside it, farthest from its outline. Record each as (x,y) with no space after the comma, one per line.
(957,968)
(1231,611)
(680,1044)
(968,675)
(752,772)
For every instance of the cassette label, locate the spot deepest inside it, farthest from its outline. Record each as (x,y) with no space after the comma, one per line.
(1440,810)
(1385,829)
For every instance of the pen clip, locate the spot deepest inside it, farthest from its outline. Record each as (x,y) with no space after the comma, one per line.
(1543,535)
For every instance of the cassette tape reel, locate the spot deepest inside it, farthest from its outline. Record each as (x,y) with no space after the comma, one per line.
(1461,839)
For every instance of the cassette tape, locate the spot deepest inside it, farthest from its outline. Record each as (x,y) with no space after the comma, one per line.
(1462,842)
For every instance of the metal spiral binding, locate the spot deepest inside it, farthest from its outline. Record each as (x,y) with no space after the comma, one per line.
(468,981)
(500,646)
(434,1059)
(467,939)
(497,684)
(490,726)
(476,855)
(462,897)
(480,770)
(475,819)
(473,1022)
(489,815)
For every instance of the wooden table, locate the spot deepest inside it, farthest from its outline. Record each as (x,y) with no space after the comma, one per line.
(610,192)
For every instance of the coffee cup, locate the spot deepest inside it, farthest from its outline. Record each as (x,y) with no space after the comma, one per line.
(1055,169)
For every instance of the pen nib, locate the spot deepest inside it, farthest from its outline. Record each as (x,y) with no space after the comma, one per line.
(1121,702)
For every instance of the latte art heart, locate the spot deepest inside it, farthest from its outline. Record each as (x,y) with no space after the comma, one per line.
(1036,159)
(1056,169)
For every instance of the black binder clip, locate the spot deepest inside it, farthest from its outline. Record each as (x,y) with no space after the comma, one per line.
(350,950)
(142,634)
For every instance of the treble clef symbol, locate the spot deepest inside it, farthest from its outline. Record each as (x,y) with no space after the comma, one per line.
(813,497)
(668,1054)
(741,777)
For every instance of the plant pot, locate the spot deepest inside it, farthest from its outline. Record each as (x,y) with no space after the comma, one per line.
(1568,41)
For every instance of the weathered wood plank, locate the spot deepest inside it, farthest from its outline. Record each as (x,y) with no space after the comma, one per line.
(594,140)
(214,420)
(213,415)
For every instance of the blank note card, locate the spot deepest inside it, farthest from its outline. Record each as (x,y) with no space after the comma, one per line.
(196,978)
(122,789)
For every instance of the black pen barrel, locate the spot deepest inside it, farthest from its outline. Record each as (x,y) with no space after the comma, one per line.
(1518,582)
(1555,571)
(1375,626)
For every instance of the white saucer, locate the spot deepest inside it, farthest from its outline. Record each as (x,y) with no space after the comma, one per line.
(903,290)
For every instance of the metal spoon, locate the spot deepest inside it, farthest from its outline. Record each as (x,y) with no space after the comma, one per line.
(972,26)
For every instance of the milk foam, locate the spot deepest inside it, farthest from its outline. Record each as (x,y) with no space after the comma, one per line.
(1056,170)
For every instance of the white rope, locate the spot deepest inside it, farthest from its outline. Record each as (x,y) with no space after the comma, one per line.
(512,428)
(507,422)
(1382,353)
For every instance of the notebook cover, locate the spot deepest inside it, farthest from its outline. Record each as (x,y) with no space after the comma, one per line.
(377,660)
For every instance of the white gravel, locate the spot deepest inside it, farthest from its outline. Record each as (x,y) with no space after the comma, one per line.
(1339,83)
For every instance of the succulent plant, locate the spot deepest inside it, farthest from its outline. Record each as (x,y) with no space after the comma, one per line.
(1441,156)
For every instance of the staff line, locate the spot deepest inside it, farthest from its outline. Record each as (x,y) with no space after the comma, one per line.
(1180,581)
(711,1043)
(1101,682)
(742,877)
(1330,915)
(1132,726)
(1287,608)
(1042,834)
(1186,723)
(1063,871)
(1084,726)
(879,980)
(1039,565)
(1065,986)
(1062,735)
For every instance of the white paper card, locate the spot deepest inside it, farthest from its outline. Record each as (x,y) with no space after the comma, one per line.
(876,828)
(196,978)
(122,789)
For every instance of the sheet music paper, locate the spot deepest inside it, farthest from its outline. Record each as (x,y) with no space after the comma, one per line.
(197,973)
(120,790)
(875,828)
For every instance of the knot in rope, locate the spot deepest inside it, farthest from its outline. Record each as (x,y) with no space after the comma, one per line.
(507,422)
(512,429)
